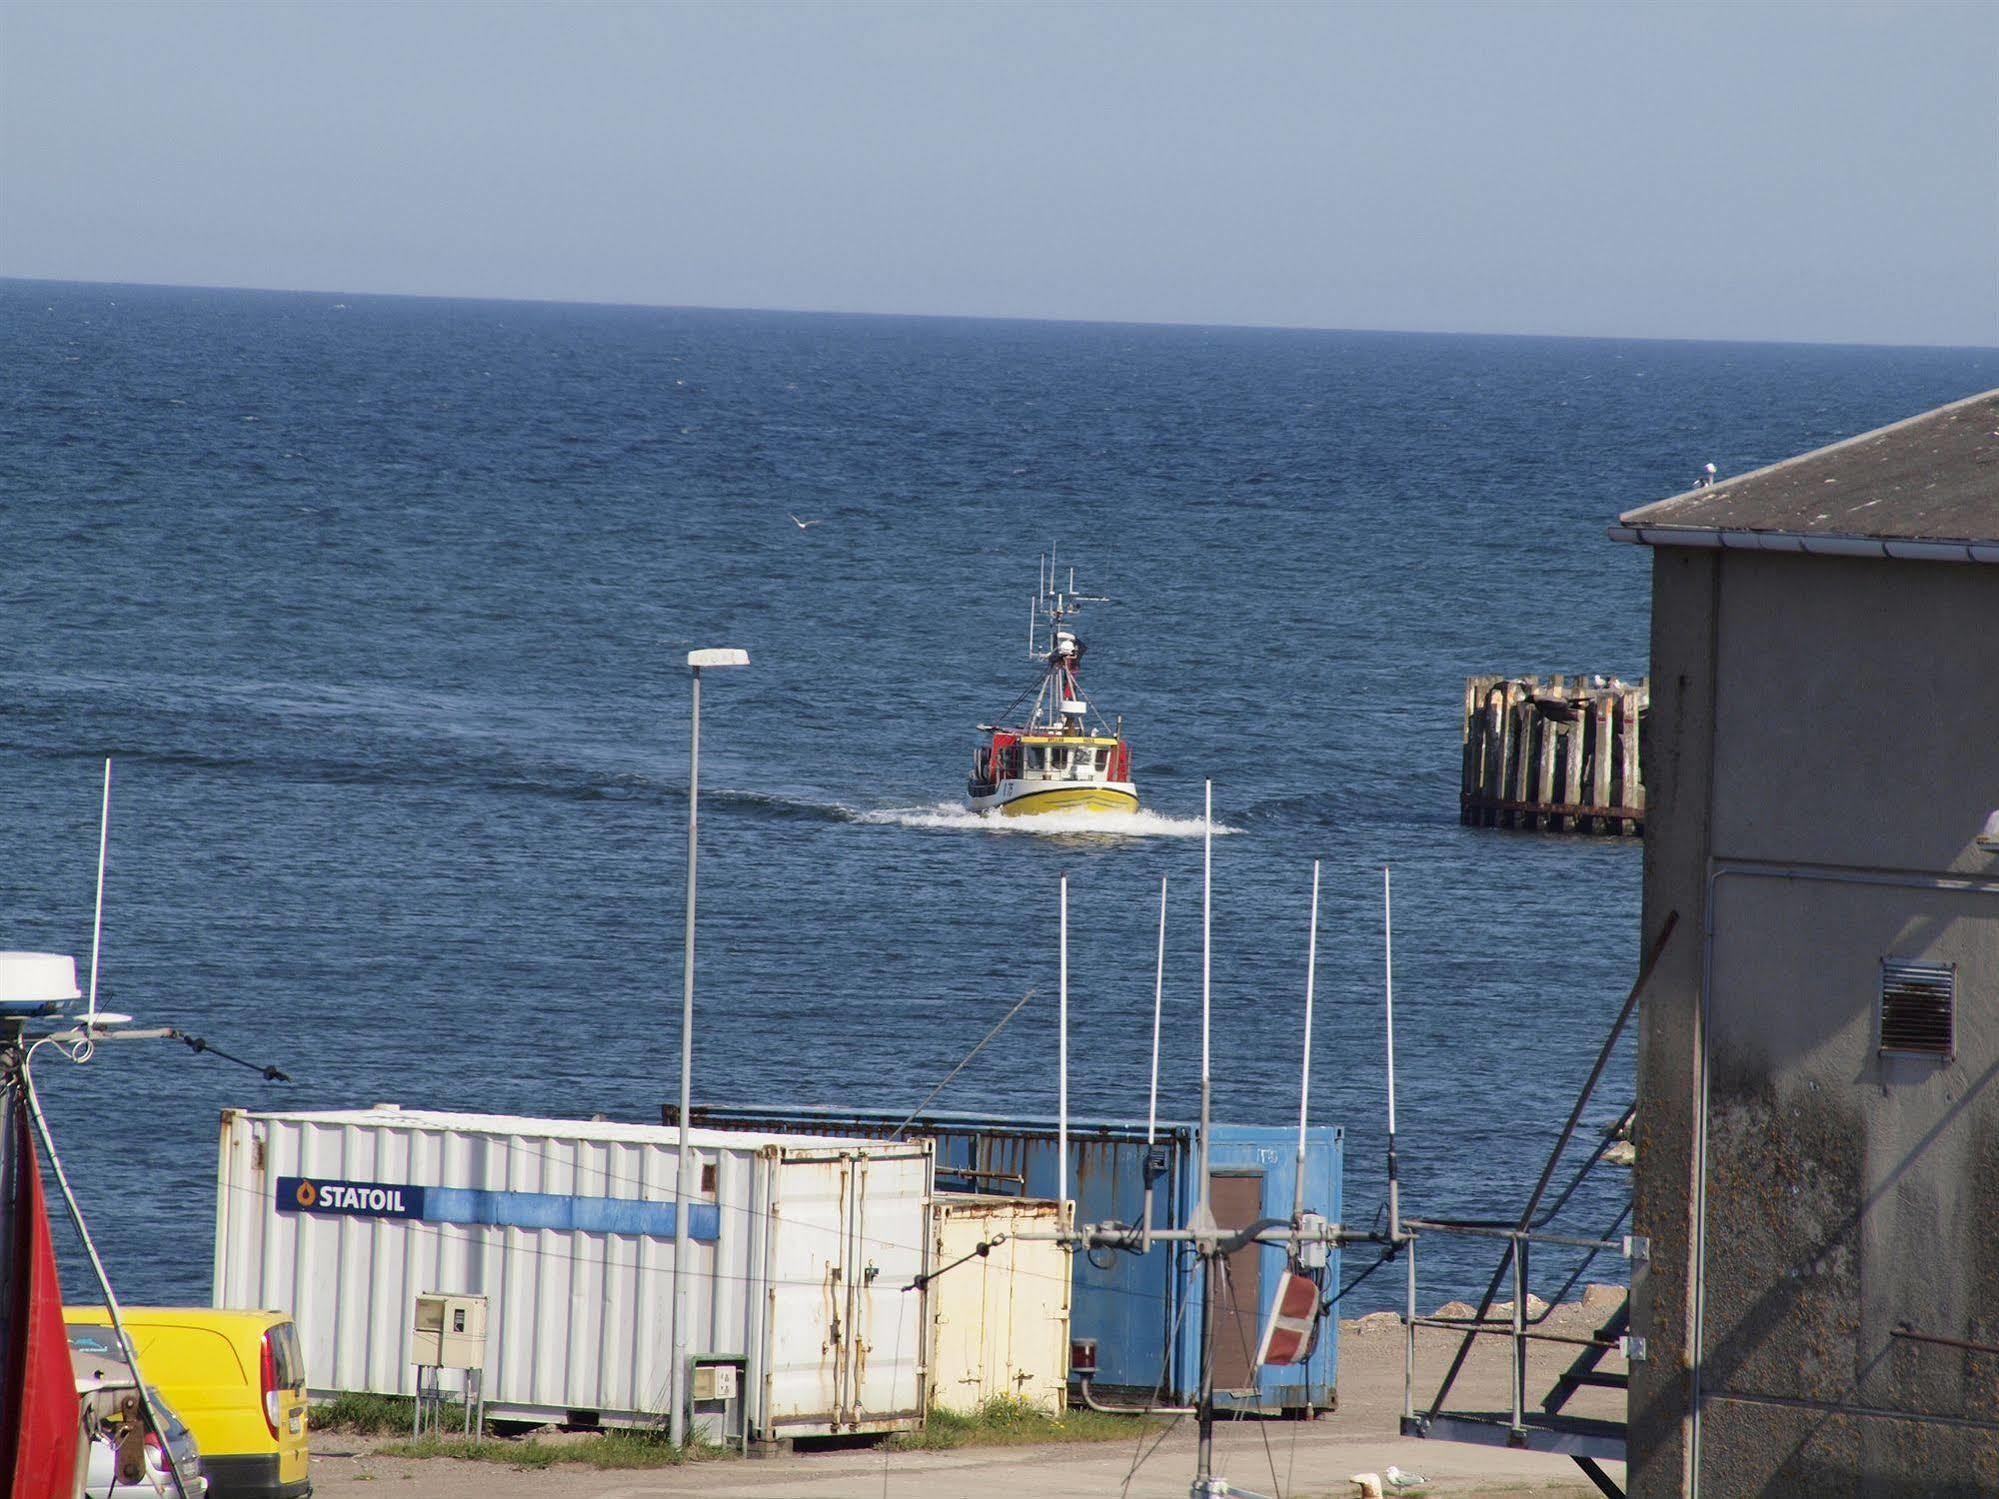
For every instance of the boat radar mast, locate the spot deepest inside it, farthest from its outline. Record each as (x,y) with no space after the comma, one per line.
(1063,755)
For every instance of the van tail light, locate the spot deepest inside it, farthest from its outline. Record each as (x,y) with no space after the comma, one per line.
(156,1453)
(269,1375)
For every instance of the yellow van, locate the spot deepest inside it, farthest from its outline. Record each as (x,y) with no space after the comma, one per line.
(238,1381)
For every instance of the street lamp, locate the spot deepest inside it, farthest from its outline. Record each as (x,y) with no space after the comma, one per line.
(682,1191)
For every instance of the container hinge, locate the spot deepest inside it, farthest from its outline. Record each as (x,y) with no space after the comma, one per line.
(1637,1248)
(1632,1347)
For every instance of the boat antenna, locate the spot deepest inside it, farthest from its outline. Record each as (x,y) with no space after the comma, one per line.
(1152,1099)
(1305,1065)
(1388,974)
(1062,1059)
(97,923)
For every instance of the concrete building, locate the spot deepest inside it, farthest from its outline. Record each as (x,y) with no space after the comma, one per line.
(1818,1156)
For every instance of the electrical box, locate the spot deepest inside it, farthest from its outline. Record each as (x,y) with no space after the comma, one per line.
(715,1398)
(449,1331)
(715,1382)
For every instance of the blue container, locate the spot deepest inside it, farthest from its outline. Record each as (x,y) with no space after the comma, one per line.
(1143,1310)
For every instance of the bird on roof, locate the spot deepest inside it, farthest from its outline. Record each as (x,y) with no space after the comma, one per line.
(801,524)
(1704,483)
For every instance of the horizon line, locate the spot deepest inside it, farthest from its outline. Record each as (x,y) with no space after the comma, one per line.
(988,317)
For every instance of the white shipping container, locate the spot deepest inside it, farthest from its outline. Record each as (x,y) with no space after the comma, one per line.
(1000,1321)
(802,1250)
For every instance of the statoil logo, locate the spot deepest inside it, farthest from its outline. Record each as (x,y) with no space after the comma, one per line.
(348,1199)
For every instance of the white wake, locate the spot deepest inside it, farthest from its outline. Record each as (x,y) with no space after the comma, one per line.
(1078,822)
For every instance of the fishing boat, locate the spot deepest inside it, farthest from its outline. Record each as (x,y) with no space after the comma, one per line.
(1063,756)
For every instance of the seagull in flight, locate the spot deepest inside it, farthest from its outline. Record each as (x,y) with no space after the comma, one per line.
(801,524)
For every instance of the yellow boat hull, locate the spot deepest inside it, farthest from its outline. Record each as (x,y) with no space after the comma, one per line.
(1070,799)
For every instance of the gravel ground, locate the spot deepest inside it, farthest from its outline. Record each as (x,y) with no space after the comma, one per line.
(1294,1460)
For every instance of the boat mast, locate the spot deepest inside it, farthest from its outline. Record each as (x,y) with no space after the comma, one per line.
(1052,606)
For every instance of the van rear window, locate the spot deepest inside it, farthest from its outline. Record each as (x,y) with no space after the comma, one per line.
(285,1351)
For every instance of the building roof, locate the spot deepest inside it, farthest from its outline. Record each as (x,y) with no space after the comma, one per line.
(1926,488)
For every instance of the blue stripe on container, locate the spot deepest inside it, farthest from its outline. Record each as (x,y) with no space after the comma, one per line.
(590,1215)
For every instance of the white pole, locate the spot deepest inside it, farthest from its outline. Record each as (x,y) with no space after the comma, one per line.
(1062,1063)
(1388,974)
(1152,1099)
(1204,1213)
(1388,959)
(97,925)
(1158,997)
(1305,1065)
(1208,1245)
(683,1192)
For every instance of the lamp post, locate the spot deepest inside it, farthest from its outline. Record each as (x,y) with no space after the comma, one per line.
(683,1193)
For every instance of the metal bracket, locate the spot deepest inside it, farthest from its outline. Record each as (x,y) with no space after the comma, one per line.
(1637,1248)
(1632,1347)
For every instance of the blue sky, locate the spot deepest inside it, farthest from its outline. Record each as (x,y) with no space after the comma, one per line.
(1794,171)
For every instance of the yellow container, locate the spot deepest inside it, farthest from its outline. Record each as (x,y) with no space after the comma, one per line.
(999,1321)
(238,1381)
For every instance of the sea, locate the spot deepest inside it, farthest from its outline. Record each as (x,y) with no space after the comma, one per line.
(380,607)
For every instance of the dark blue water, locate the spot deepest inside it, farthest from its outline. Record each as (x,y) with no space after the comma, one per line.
(382,605)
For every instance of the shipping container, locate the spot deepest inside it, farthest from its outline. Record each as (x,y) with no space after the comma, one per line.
(1142,1310)
(802,1247)
(1000,1321)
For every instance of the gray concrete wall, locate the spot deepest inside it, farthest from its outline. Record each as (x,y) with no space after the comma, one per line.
(1846,1193)
(1677,756)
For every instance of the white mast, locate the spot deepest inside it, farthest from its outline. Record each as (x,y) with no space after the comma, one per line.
(1152,1099)
(97,924)
(1203,1212)
(1305,1065)
(1388,975)
(1062,1062)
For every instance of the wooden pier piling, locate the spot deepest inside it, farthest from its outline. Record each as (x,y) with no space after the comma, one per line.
(1555,754)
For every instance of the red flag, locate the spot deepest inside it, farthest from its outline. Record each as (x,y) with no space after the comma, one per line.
(1294,1317)
(38,1427)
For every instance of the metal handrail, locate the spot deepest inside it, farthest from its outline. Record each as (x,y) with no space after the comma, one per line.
(1518,1239)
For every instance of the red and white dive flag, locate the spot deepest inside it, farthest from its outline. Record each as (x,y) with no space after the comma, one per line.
(1294,1317)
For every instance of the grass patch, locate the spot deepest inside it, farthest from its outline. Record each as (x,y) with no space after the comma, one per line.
(371,1415)
(1004,1421)
(608,1449)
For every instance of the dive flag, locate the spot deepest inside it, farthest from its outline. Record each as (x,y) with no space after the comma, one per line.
(1288,1332)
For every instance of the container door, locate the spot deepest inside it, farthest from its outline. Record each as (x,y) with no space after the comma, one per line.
(1238,1202)
(804,1327)
(843,1339)
(889,1247)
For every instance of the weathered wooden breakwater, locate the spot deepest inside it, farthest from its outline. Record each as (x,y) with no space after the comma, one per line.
(1555,754)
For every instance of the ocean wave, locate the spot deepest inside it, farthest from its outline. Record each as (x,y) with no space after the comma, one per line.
(951,816)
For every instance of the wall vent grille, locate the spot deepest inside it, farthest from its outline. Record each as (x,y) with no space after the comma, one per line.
(1918,1007)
